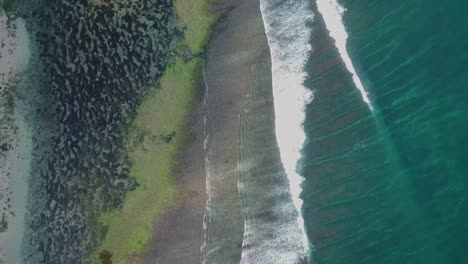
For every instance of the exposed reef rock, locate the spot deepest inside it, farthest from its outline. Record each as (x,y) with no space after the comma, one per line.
(99,59)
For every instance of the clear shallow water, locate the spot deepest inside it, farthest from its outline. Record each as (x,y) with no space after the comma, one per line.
(388,186)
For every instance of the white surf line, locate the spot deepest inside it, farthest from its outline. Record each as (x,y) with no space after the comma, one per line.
(332,13)
(288,35)
(207,214)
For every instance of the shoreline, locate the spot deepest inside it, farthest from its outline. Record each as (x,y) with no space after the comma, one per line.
(202,185)
(188,178)
(158,139)
(241,157)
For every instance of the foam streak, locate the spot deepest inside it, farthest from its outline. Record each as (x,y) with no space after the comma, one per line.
(207,214)
(332,13)
(288,37)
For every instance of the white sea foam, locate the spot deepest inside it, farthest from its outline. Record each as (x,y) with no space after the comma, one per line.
(207,214)
(332,13)
(288,37)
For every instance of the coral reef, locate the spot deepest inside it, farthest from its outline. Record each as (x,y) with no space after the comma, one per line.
(99,62)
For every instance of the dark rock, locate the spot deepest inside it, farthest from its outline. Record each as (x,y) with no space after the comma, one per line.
(6,147)
(3,223)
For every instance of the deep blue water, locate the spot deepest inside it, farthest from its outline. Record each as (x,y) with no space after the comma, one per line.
(389,186)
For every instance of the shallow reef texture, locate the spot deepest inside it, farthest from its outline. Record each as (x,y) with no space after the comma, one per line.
(98,61)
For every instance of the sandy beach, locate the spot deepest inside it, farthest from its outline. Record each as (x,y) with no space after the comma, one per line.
(237,106)
(15,140)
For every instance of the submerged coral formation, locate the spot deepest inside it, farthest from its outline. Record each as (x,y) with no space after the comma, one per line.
(99,61)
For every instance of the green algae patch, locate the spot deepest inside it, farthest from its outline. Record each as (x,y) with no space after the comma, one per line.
(197,21)
(157,137)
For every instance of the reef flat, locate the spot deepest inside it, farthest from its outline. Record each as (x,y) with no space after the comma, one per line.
(163,131)
(98,61)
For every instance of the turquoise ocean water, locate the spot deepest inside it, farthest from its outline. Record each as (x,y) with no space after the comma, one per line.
(389,185)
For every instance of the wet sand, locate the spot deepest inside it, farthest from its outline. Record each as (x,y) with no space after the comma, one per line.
(15,139)
(238,104)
